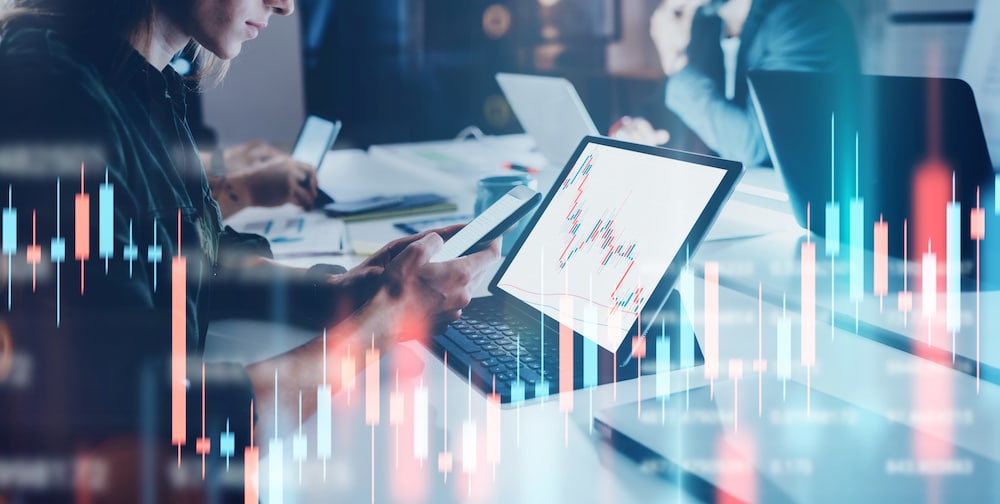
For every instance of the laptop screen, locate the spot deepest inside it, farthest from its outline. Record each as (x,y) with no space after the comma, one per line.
(610,229)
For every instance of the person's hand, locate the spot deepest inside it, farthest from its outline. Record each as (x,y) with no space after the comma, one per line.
(638,130)
(269,177)
(670,29)
(248,156)
(387,253)
(351,290)
(418,294)
(279,180)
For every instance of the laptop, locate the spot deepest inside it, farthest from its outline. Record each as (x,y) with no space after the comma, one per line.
(593,274)
(805,446)
(837,138)
(550,110)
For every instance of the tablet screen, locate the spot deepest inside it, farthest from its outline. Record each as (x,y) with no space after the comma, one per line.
(612,227)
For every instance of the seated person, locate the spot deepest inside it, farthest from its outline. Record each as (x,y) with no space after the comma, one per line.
(706,48)
(115,301)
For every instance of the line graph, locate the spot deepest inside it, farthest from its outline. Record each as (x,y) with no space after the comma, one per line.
(602,219)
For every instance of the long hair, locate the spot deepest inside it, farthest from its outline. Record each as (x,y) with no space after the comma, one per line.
(81,20)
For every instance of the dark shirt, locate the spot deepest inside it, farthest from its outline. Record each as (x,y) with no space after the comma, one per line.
(795,35)
(98,335)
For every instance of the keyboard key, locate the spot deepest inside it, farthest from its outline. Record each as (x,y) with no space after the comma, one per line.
(462,341)
(528,374)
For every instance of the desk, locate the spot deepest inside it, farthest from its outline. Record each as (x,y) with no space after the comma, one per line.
(547,455)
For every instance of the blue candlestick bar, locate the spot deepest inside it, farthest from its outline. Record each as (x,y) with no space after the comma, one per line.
(106,216)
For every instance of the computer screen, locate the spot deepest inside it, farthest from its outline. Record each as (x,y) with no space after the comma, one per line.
(612,228)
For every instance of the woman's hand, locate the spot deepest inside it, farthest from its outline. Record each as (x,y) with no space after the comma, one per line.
(386,254)
(418,297)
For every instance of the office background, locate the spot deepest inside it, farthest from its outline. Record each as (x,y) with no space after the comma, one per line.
(401,70)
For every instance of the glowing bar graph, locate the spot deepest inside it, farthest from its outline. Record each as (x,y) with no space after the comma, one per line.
(856,214)
(905,296)
(9,237)
(711,320)
(420,422)
(589,347)
(784,368)
(517,386)
(881,260)
(469,439)
(372,386)
(203,445)
(493,429)
(324,413)
(541,386)
(565,355)
(348,371)
(977,224)
(251,474)
(227,444)
(686,290)
(832,229)
(106,219)
(58,253)
(299,449)
(929,283)
(469,446)
(832,206)
(82,238)
(445,458)
(154,254)
(759,364)
(396,406)
(808,304)
(276,458)
(736,374)
(178,346)
(34,252)
(130,252)
(662,364)
(614,330)
(953,269)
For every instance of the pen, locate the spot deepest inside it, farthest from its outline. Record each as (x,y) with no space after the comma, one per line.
(520,168)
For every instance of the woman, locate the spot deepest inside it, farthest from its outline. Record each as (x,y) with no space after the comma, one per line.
(89,103)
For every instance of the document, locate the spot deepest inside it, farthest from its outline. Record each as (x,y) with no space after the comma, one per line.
(292,232)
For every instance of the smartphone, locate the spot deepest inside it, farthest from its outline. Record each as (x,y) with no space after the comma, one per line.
(314,141)
(490,224)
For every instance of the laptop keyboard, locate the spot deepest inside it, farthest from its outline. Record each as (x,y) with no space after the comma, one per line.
(496,349)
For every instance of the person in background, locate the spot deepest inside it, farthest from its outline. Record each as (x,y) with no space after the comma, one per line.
(92,113)
(258,174)
(706,48)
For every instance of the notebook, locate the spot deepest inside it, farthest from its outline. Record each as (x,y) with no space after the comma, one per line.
(593,274)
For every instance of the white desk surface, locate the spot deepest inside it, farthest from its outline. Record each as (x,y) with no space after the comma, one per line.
(547,455)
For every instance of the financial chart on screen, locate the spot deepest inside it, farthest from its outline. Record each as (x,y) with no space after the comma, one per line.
(612,228)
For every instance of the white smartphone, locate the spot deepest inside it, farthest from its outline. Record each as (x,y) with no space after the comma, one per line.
(315,139)
(490,224)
